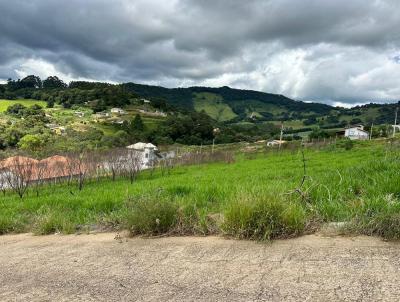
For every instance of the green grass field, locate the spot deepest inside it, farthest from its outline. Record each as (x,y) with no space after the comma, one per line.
(257,197)
(4,104)
(212,104)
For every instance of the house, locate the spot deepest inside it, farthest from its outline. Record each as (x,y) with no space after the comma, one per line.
(114,120)
(118,111)
(100,115)
(79,113)
(145,101)
(60,130)
(148,153)
(356,133)
(396,128)
(275,142)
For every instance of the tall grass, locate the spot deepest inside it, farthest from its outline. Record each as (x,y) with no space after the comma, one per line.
(249,198)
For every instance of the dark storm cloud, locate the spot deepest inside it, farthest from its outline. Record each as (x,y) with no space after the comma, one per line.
(313,49)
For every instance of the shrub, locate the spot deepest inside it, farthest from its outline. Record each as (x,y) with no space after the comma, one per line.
(348,145)
(151,215)
(378,217)
(264,218)
(9,224)
(51,222)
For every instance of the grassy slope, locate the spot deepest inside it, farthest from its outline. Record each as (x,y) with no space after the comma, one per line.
(360,185)
(214,106)
(367,114)
(4,104)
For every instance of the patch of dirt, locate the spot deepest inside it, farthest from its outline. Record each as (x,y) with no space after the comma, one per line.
(99,267)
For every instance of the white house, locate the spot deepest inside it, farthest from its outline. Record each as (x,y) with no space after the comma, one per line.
(148,153)
(79,113)
(356,133)
(275,142)
(102,115)
(118,111)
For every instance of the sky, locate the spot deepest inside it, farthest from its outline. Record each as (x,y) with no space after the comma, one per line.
(341,52)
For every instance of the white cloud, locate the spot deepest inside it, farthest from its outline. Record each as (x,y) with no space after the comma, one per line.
(44,69)
(329,51)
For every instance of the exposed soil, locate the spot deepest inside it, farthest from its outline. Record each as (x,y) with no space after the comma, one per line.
(101,268)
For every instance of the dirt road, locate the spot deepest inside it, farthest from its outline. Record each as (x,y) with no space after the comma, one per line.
(100,268)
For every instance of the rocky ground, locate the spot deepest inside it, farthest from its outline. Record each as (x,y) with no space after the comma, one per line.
(101,268)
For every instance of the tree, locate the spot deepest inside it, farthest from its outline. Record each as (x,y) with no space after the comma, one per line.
(16,109)
(53,82)
(137,123)
(310,121)
(317,133)
(132,164)
(30,81)
(32,142)
(20,173)
(114,162)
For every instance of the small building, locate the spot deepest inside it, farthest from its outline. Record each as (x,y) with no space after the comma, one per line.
(275,143)
(356,133)
(145,101)
(148,153)
(117,122)
(59,130)
(118,111)
(102,115)
(79,113)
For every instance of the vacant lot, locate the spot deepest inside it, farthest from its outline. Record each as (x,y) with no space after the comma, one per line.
(100,268)
(4,104)
(259,196)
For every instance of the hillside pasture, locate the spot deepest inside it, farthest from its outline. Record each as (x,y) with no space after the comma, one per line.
(214,106)
(259,196)
(4,104)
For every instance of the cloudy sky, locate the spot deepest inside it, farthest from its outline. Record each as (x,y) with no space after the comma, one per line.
(338,52)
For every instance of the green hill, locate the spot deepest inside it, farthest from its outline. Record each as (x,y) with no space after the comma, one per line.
(232,106)
(228,104)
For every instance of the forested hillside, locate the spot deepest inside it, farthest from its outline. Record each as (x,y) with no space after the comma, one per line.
(176,115)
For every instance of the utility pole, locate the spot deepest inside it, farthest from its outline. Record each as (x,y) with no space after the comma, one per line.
(281,136)
(215,133)
(395,122)
(370,132)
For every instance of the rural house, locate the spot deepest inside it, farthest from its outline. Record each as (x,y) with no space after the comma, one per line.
(79,113)
(148,154)
(355,133)
(118,111)
(275,143)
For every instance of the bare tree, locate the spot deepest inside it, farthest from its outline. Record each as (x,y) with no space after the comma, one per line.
(114,162)
(40,175)
(3,180)
(20,173)
(132,164)
(77,166)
